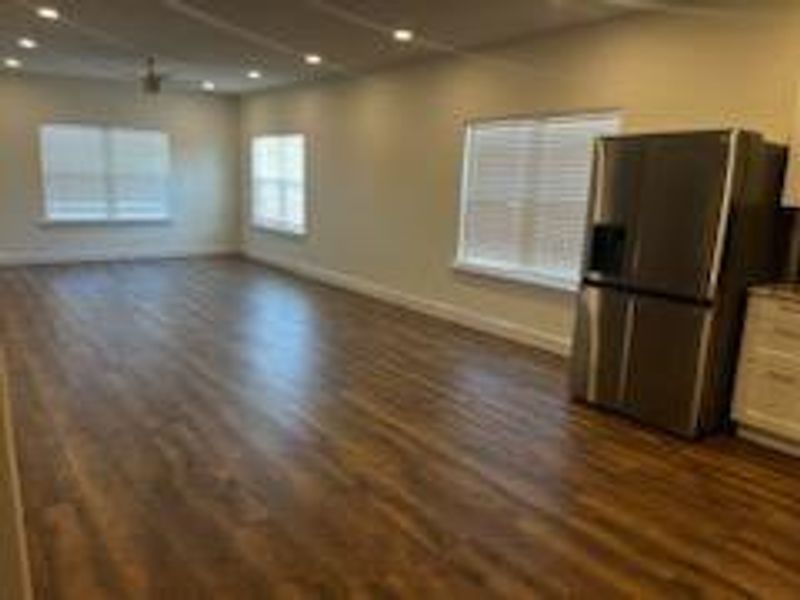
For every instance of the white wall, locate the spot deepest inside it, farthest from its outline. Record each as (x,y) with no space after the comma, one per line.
(204,134)
(385,149)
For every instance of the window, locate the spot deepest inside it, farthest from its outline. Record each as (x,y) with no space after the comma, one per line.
(105,174)
(278,183)
(524,196)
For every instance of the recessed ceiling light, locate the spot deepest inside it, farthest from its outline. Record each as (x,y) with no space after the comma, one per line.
(254,74)
(209,86)
(313,59)
(48,12)
(403,35)
(12,63)
(27,43)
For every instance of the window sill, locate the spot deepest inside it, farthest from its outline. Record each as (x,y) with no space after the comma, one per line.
(103,222)
(290,232)
(517,276)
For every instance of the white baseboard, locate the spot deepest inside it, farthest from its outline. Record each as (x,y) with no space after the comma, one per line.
(473,320)
(48,256)
(768,439)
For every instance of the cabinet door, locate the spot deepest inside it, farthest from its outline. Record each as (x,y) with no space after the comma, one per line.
(768,385)
(769,396)
(775,325)
(791,194)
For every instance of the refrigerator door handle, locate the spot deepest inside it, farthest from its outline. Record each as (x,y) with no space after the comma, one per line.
(725,217)
(630,323)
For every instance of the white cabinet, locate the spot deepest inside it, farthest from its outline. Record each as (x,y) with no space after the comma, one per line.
(791,195)
(767,401)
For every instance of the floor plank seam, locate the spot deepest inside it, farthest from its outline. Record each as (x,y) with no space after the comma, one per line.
(22,565)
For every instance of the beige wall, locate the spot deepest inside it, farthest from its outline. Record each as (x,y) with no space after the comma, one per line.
(385,149)
(204,135)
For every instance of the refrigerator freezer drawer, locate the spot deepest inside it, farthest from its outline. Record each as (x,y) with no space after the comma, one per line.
(643,356)
(599,346)
(668,358)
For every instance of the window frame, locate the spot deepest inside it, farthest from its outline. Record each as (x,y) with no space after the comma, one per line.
(48,220)
(513,274)
(274,227)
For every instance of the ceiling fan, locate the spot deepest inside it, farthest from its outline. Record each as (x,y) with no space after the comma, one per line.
(152,80)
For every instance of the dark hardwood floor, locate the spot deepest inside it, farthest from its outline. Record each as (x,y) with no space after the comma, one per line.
(213,429)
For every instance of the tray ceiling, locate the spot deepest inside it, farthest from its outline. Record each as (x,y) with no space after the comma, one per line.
(211,40)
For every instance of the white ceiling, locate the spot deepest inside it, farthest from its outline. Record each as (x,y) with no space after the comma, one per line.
(220,40)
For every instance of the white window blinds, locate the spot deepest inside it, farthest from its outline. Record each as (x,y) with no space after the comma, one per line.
(524,195)
(105,174)
(278,183)
(139,167)
(74,169)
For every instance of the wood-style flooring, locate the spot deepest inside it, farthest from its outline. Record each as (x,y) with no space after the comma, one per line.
(214,429)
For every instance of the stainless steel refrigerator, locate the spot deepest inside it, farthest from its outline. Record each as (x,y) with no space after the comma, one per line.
(679,225)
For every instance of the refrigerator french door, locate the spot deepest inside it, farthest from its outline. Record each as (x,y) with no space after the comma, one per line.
(674,224)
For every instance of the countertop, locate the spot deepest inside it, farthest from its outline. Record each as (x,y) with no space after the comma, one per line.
(782,291)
